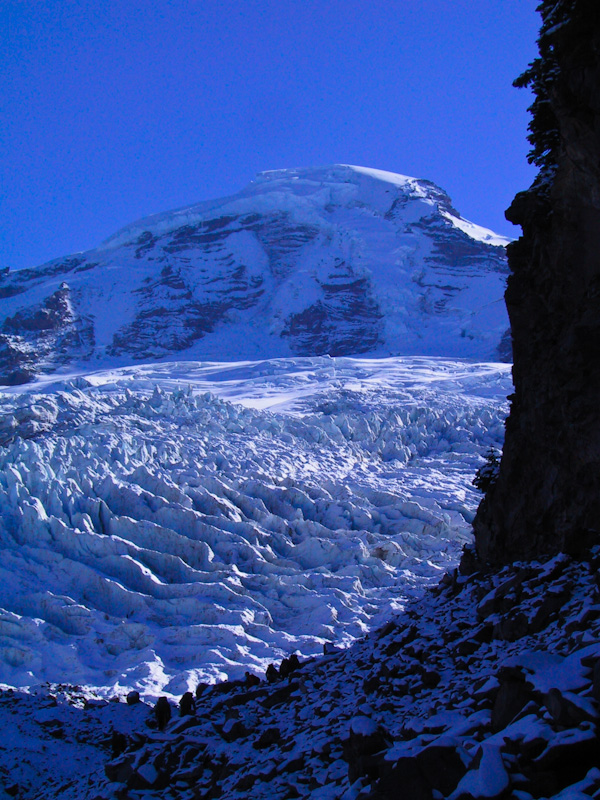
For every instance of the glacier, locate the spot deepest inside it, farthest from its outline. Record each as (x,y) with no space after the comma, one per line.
(174,523)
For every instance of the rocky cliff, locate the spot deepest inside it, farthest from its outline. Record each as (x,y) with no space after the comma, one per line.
(547,495)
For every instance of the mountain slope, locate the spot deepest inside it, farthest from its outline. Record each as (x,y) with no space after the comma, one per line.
(335,260)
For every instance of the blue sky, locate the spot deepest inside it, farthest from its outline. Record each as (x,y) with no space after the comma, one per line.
(114,110)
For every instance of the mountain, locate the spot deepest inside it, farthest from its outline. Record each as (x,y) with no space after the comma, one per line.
(135,502)
(338,260)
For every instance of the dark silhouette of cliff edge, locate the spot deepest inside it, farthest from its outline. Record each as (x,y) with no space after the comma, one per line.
(546,497)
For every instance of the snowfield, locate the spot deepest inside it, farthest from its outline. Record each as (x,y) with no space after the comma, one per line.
(169,524)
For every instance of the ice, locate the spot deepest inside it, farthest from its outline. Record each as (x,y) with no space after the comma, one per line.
(477,231)
(173,523)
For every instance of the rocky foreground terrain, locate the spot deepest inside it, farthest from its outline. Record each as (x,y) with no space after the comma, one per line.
(487,687)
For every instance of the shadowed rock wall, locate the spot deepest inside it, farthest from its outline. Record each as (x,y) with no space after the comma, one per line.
(547,494)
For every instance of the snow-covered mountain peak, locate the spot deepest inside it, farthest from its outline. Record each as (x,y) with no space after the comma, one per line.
(297,190)
(374,186)
(307,180)
(336,260)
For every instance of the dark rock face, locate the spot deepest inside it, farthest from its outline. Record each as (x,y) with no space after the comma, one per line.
(345,321)
(183,304)
(547,494)
(43,337)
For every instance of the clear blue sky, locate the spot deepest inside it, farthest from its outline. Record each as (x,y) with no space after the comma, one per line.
(114,110)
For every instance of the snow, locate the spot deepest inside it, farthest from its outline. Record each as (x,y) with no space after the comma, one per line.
(363,726)
(477,231)
(174,523)
(548,671)
(489,779)
(582,789)
(47,745)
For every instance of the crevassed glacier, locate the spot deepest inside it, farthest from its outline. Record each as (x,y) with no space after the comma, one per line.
(170,524)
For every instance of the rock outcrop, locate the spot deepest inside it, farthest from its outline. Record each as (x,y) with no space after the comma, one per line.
(42,337)
(547,494)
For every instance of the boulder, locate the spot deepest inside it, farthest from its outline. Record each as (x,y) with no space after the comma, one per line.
(487,778)
(162,712)
(570,755)
(233,729)
(187,704)
(512,697)
(511,627)
(567,709)
(403,779)
(294,662)
(268,737)
(251,680)
(200,689)
(118,743)
(442,767)
(596,681)
(364,748)
(119,770)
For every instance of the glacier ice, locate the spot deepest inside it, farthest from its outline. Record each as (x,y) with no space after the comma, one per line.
(173,523)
